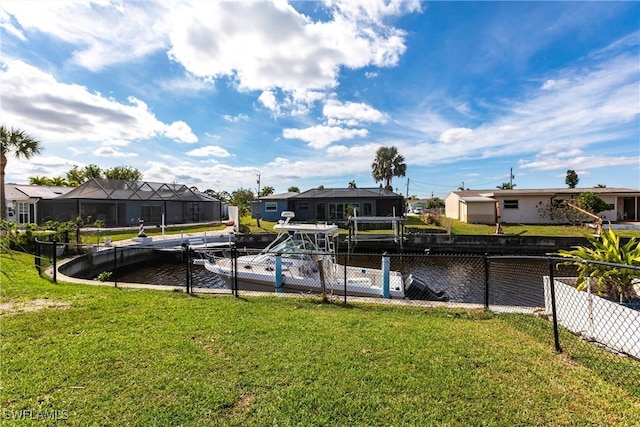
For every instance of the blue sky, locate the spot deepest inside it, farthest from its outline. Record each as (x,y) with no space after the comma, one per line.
(213,94)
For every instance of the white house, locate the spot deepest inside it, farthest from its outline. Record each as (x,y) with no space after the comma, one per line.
(22,200)
(524,206)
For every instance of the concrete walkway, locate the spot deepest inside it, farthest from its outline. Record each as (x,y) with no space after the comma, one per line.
(176,239)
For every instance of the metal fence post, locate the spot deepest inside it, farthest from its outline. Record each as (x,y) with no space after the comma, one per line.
(188,269)
(115,266)
(54,262)
(485,258)
(278,273)
(234,254)
(554,313)
(346,261)
(37,257)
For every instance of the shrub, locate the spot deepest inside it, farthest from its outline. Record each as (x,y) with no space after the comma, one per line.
(616,282)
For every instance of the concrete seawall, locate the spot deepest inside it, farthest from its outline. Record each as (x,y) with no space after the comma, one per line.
(444,243)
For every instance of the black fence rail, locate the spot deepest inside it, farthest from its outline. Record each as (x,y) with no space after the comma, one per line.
(540,295)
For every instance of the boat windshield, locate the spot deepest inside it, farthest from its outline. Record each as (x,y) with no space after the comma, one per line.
(294,246)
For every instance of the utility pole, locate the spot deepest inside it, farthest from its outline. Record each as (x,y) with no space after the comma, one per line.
(258,213)
(511,178)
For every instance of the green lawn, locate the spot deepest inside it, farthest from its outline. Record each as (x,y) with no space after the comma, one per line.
(412,222)
(106,356)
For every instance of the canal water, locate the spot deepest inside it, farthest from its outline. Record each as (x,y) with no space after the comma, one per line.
(512,281)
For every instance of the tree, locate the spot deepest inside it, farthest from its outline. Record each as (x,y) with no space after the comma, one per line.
(58,181)
(387,164)
(572,178)
(242,198)
(39,180)
(18,143)
(434,203)
(126,173)
(352,185)
(91,171)
(267,191)
(293,189)
(592,202)
(506,186)
(75,176)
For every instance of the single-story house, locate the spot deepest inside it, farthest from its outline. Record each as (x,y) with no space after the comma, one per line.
(416,205)
(23,201)
(118,203)
(525,206)
(330,204)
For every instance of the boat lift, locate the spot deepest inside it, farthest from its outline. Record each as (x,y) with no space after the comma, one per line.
(397,225)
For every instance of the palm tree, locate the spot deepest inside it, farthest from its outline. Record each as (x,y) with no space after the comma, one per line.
(387,164)
(58,181)
(267,191)
(352,185)
(39,180)
(21,145)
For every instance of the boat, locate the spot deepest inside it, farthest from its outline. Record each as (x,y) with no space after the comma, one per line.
(303,258)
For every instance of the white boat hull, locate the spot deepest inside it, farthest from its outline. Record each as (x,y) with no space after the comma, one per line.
(259,272)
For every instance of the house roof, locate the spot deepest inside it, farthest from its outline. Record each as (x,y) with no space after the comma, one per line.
(19,192)
(345,193)
(477,199)
(118,189)
(280,196)
(543,192)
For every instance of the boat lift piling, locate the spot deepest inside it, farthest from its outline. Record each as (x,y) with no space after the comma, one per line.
(386,273)
(278,273)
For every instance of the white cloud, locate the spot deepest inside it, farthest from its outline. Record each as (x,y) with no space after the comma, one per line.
(265,46)
(103,32)
(455,135)
(586,162)
(269,44)
(236,118)
(209,151)
(373,11)
(321,136)
(268,99)
(109,151)
(62,113)
(587,106)
(351,113)
(181,132)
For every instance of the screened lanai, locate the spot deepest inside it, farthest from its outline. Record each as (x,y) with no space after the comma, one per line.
(124,203)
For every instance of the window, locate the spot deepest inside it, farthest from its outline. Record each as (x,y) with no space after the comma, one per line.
(367,209)
(336,210)
(303,206)
(271,207)
(511,204)
(321,211)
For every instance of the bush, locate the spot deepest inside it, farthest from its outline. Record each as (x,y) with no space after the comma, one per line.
(617,283)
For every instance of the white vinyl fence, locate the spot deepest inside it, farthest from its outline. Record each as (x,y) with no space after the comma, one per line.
(593,317)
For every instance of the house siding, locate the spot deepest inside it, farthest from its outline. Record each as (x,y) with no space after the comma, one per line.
(524,207)
(480,213)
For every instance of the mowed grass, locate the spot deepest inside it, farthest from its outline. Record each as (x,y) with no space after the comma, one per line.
(106,356)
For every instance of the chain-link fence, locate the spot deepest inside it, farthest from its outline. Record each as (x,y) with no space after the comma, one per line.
(540,295)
